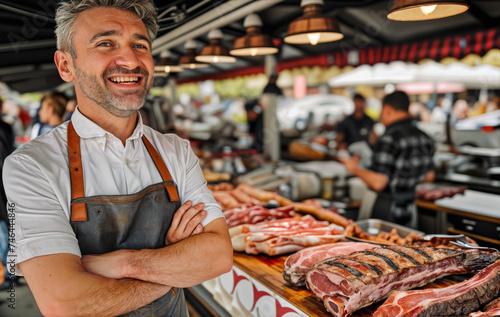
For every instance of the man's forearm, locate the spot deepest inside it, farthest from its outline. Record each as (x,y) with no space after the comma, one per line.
(62,288)
(374,180)
(183,264)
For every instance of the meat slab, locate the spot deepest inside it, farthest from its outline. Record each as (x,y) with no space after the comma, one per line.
(459,299)
(491,310)
(251,213)
(347,283)
(297,265)
(284,235)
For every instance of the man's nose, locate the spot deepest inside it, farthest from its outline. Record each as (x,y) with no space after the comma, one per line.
(128,58)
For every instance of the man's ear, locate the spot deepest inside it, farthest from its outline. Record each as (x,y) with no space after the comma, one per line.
(62,60)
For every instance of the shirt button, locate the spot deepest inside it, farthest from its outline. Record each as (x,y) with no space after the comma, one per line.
(127,161)
(101,145)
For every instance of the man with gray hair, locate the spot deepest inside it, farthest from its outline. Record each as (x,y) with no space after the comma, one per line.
(110,216)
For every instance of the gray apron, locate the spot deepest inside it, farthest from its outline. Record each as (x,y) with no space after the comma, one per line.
(108,223)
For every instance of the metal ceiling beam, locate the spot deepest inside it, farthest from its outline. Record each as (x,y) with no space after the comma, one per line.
(29,45)
(216,18)
(26,13)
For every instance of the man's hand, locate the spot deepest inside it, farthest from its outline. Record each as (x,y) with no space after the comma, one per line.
(351,164)
(186,222)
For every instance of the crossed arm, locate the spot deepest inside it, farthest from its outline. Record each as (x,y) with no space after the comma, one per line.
(124,280)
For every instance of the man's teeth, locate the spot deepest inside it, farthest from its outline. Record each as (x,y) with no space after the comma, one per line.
(124,79)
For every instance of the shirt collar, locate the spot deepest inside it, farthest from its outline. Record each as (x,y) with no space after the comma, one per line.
(406,121)
(86,128)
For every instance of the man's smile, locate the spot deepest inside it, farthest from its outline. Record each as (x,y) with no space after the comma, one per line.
(125,80)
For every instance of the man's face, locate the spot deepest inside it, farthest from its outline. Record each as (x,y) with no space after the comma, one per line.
(385,115)
(113,66)
(45,111)
(359,108)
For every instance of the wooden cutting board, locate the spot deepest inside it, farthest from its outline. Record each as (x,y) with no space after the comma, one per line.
(267,270)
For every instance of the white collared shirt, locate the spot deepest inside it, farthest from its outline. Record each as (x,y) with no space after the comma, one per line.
(37,181)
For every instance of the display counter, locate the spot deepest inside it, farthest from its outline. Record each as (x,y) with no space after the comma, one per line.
(474,214)
(255,287)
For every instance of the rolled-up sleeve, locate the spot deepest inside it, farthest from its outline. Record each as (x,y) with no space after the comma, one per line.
(195,187)
(39,225)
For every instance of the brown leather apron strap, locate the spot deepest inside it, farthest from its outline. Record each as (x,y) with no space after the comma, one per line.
(78,210)
(162,168)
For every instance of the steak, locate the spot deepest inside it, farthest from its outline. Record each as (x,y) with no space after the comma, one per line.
(297,265)
(459,299)
(491,310)
(347,283)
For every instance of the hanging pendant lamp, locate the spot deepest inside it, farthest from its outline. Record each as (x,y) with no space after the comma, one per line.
(254,42)
(215,52)
(166,65)
(189,60)
(419,10)
(313,27)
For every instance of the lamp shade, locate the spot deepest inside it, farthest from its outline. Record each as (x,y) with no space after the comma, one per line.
(166,65)
(313,27)
(254,42)
(215,52)
(419,10)
(189,60)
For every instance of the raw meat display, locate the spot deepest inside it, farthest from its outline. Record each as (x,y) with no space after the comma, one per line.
(297,265)
(281,224)
(225,200)
(490,310)
(253,213)
(459,299)
(347,283)
(440,192)
(284,236)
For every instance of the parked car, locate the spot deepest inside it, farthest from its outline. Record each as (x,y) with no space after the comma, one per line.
(295,114)
(482,131)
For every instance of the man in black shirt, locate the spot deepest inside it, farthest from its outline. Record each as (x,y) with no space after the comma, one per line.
(402,159)
(355,127)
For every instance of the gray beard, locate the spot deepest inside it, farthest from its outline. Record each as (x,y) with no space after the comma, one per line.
(122,106)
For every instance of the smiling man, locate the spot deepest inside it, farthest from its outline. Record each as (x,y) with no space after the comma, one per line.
(111,217)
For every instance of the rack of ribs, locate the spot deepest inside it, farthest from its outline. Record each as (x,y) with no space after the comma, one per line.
(347,283)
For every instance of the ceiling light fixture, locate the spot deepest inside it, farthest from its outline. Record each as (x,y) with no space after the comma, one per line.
(166,65)
(313,27)
(215,52)
(254,42)
(189,60)
(420,10)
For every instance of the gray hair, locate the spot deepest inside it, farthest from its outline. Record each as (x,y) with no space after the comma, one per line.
(68,11)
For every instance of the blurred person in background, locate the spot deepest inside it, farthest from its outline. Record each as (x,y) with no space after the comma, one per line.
(255,122)
(402,158)
(70,108)
(271,87)
(6,148)
(493,104)
(460,110)
(356,127)
(51,112)
(440,111)
(419,112)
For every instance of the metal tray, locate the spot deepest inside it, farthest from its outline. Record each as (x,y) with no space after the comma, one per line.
(375,226)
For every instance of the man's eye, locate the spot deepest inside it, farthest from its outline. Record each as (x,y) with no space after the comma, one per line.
(104,44)
(140,46)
